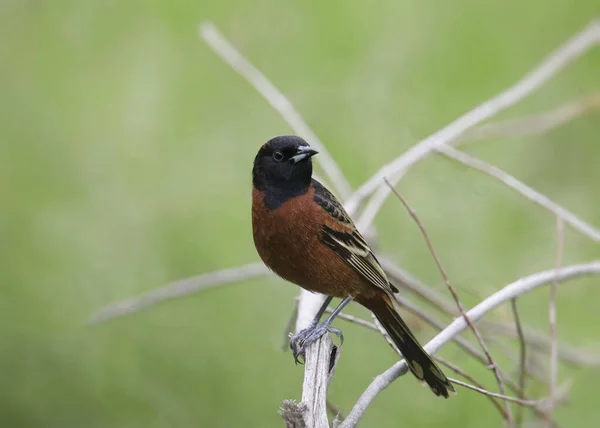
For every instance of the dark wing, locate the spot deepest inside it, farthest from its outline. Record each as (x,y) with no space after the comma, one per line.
(344,239)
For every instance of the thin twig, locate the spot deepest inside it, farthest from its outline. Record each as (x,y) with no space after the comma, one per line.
(228,53)
(179,289)
(522,361)
(471,379)
(552,311)
(529,193)
(484,347)
(511,291)
(334,410)
(354,320)
(572,49)
(528,403)
(531,125)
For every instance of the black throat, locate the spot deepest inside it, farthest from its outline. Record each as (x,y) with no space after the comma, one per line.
(275,195)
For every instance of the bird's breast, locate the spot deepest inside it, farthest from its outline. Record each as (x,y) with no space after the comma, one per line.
(288,241)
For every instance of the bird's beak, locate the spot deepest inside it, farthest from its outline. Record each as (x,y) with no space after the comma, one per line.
(303,153)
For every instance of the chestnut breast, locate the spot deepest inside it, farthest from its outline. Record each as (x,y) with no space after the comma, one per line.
(288,241)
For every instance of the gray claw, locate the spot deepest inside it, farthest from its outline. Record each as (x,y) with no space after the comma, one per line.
(300,341)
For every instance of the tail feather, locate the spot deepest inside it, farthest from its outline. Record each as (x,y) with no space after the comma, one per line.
(419,362)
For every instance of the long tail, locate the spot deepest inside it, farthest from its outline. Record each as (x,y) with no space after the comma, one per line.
(419,362)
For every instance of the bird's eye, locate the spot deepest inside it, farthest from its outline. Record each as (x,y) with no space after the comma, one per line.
(278,156)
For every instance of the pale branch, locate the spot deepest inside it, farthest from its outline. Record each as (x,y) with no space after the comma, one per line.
(528,403)
(560,244)
(459,304)
(334,411)
(354,320)
(178,289)
(228,53)
(395,170)
(320,363)
(511,291)
(535,124)
(526,191)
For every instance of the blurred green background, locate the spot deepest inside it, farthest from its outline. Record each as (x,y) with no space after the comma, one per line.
(125,164)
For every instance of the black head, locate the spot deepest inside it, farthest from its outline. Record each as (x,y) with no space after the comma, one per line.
(283,167)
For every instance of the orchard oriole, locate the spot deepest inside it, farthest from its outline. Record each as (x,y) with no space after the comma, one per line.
(304,235)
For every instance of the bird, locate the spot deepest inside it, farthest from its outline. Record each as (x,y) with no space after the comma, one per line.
(304,235)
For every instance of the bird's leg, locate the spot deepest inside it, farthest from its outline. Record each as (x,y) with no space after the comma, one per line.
(300,341)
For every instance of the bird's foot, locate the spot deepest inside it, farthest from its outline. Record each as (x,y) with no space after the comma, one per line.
(301,340)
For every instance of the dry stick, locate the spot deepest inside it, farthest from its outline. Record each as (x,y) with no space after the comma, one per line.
(523,189)
(471,379)
(334,410)
(456,299)
(523,359)
(531,125)
(511,291)
(552,312)
(529,403)
(395,170)
(354,320)
(179,289)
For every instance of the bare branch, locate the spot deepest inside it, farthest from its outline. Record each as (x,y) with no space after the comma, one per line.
(320,363)
(529,193)
(354,320)
(334,411)
(228,53)
(179,289)
(395,170)
(484,347)
(511,291)
(528,403)
(531,125)
(560,243)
